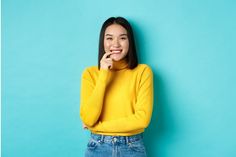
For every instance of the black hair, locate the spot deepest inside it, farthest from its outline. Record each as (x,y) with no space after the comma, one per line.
(131,56)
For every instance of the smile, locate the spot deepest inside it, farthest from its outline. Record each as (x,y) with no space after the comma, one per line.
(116,51)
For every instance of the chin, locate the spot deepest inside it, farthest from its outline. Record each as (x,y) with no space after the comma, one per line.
(117,57)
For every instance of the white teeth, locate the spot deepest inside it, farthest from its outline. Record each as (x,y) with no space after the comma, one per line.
(116,51)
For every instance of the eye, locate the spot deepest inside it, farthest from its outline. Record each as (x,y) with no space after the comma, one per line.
(123,38)
(109,38)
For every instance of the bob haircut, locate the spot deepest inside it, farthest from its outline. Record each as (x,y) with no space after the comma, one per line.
(131,56)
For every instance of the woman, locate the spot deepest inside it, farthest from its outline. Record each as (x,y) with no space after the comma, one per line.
(116,95)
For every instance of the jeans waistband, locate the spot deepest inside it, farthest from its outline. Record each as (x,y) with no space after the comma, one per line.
(120,139)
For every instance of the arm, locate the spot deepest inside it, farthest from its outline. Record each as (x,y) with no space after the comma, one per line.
(143,109)
(92,94)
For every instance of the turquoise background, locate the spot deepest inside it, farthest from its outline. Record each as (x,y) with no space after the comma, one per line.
(190,46)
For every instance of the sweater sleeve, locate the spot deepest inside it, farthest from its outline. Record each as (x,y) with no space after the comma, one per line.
(92,94)
(143,109)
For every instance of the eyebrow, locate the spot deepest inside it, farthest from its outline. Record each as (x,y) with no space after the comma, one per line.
(120,35)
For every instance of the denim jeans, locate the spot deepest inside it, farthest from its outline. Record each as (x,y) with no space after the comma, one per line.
(115,146)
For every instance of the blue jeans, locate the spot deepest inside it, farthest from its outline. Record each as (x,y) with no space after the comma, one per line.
(115,146)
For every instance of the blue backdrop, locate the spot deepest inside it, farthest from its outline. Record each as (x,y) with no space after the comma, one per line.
(190,46)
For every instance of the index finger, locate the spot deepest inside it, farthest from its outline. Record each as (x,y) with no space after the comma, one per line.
(107,54)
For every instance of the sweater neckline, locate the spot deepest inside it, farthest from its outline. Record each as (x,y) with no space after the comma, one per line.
(119,65)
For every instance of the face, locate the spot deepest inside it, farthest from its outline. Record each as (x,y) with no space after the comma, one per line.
(116,41)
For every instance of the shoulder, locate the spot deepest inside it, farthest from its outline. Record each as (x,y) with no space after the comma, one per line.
(90,71)
(144,68)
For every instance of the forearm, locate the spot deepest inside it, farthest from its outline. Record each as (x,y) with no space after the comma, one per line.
(91,109)
(92,99)
(137,121)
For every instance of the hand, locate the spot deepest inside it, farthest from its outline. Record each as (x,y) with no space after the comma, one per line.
(106,62)
(84,126)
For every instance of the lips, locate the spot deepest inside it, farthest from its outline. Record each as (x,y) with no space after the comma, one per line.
(116,51)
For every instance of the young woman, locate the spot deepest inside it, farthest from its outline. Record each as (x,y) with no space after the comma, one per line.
(117,95)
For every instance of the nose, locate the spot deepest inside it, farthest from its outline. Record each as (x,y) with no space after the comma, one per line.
(116,43)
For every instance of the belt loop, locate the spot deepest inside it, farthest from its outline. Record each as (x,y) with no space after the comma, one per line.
(102,138)
(99,138)
(127,139)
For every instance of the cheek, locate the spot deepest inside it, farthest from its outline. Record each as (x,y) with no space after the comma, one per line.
(106,45)
(126,45)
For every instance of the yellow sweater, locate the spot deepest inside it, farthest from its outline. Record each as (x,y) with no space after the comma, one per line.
(117,102)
